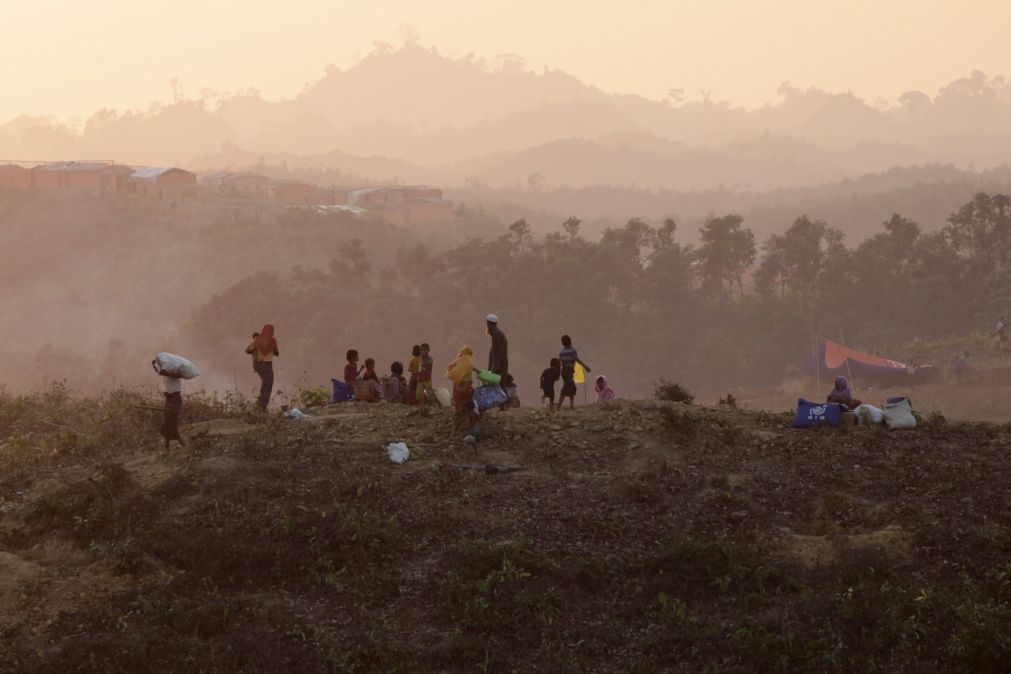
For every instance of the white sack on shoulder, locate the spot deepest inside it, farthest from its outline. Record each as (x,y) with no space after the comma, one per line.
(171,365)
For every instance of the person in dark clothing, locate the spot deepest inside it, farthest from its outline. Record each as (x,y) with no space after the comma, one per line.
(173,409)
(498,357)
(264,349)
(549,377)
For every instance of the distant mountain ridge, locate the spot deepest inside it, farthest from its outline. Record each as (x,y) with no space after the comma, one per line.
(425,116)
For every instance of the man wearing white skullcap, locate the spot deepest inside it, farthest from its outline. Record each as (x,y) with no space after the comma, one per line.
(498,357)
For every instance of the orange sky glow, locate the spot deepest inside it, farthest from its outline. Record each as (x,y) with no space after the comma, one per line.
(69,59)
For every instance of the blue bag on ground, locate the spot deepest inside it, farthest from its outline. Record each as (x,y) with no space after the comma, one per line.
(817,414)
(489,396)
(341,392)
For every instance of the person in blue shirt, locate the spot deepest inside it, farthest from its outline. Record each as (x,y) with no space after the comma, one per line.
(568,357)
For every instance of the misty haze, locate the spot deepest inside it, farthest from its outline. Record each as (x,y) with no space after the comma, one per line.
(672,338)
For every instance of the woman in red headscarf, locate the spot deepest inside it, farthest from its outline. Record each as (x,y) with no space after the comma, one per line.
(263,348)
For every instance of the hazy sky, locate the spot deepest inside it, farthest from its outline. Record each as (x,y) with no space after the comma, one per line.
(69,58)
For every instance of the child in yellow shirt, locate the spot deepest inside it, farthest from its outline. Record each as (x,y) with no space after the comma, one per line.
(413,368)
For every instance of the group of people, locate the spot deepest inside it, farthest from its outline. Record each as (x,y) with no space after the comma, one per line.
(564,367)
(361,382)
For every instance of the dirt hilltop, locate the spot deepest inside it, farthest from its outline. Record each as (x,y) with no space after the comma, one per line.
(631,536)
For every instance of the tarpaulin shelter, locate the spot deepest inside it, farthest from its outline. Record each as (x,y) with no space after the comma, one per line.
(835,359)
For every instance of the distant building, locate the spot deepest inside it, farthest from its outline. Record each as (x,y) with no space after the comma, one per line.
(295,192)
(89,176)
(163,181)
(239,184)
(14,177)
(404,205)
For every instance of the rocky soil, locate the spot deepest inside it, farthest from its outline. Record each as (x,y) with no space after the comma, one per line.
(626,536)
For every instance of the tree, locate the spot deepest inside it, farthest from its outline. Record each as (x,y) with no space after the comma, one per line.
(571,227)
(519,238)
(794,260)
(982,229)
(725,253)
(353,264)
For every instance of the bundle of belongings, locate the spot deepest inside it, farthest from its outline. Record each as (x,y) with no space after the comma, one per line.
(171,365)
(897,414)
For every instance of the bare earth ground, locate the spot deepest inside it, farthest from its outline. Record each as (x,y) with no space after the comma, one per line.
(634,536)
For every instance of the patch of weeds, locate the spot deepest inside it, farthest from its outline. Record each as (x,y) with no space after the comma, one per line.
(127,556)
(87,508)
(672,391)
(363,650)
(674,611)
(994,537)
(687,567)
(980,635)
(314,397)
(494,595)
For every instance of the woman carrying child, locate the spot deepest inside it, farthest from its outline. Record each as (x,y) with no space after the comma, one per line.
(264,349)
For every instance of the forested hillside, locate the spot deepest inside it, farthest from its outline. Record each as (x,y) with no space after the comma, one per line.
(728,311)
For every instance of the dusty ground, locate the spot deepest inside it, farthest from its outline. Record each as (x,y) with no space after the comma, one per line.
(634,536)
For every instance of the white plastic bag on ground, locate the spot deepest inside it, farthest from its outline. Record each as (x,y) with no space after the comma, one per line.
(869,414)
(899,413)
(398,452)
(295,413)
(171,365)
(444,397)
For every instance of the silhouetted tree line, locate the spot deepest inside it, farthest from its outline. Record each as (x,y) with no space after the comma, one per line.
(640,304)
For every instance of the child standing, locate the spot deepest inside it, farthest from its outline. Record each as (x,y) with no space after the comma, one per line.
(551,374)
(568,357)
(413,367)
(425,394)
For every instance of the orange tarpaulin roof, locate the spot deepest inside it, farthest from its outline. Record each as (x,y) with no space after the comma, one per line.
(836,356)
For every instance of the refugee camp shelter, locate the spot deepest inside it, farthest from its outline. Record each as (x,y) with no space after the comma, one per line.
(160,181)
(89,176)
(14,177)
(836,359)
